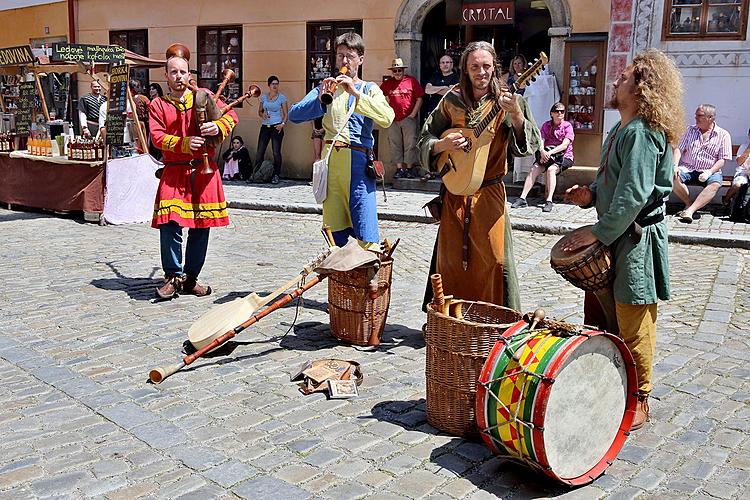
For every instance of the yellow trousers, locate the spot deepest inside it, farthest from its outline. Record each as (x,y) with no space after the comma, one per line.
(638,329)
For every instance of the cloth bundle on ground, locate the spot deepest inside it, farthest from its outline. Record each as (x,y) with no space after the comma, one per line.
(313,376)
(346,258)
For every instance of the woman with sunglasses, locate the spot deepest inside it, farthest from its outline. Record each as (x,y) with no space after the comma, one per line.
(555,155)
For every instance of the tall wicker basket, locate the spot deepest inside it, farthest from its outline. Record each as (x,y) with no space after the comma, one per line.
(354,314)
(456,352)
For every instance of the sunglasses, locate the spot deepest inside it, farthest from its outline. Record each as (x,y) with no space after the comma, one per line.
(558,111)
(397,70)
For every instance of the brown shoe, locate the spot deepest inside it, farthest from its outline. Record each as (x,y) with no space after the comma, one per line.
(192,287)
(641,412)
(171,287)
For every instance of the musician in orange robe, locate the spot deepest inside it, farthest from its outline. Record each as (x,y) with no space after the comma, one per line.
(186,197)
(474,249)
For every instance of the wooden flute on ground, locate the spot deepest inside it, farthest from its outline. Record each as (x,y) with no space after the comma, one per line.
(157,375)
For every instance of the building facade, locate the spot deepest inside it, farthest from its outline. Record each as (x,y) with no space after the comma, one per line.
(589,42)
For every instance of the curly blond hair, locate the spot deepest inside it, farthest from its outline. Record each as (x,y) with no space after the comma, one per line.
(659,93)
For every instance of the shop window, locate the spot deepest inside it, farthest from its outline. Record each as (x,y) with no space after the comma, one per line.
(705,19)
(135,41)
(321,52)
(583,85)
(220,48)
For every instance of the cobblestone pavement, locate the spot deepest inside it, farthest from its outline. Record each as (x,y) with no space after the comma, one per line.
(407,205)
(78,335)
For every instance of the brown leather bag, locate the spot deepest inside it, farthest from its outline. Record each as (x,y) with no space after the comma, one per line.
(435,205)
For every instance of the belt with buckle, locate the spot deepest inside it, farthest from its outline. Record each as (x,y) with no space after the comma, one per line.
(192,163)
(340,144)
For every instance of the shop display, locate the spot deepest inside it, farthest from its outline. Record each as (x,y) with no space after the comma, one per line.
(584,85)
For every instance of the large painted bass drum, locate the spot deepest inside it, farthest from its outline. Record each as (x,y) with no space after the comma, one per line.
(565,407)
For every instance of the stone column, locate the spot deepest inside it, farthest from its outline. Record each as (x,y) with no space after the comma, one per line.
(408,47)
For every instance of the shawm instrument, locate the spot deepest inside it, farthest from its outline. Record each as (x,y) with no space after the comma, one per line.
(463,170)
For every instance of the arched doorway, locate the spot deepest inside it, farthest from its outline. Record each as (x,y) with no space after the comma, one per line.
(412,15)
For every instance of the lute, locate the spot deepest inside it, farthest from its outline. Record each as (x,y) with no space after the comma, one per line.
(463,170)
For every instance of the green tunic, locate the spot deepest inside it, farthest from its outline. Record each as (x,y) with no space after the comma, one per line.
(636,171)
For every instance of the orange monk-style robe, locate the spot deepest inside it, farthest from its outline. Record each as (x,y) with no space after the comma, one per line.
(491,272)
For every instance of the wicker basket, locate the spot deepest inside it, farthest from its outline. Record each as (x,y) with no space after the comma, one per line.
(456,352)
(354,314)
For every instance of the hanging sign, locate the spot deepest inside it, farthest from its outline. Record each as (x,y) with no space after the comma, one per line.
(118,88)
(485,13)
(27,97)
(80,52)
(15,56)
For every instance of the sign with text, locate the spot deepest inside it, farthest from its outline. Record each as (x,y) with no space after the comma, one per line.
(80,52)
(26,102)
(14,56)
(485,13)
(118,98)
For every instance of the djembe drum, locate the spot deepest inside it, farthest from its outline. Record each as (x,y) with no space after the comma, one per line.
(591,269)
(557,399)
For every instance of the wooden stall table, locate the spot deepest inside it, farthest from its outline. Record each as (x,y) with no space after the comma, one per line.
(52,183)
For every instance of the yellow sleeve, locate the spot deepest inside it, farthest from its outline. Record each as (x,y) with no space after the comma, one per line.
(374,105)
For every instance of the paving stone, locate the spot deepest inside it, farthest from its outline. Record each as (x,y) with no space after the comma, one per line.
(648,479)
(129,415)
(347,490)
(59,485)
(230,473)
(297,474)
(196,457)
(417,484)
(322,457)
(108,468)
(269,487)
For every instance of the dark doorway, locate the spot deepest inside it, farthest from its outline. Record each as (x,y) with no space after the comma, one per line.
(442,33)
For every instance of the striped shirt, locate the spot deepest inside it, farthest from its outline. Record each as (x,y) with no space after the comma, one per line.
(89,105)
(698,154)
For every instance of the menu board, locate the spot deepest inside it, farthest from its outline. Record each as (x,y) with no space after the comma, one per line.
(118,98)
(27,97)
(78,52)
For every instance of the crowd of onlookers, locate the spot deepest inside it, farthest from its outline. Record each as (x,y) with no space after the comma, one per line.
(698,159)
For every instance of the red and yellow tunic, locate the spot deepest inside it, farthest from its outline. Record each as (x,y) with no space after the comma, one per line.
(186,196)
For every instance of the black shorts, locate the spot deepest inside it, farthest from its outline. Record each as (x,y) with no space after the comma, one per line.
(558,159)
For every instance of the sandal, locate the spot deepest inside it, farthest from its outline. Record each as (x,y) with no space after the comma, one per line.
(686,219)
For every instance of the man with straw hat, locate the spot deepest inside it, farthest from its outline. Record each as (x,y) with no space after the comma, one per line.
(404,94)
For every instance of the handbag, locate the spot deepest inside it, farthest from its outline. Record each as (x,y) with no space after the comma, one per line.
(320,167)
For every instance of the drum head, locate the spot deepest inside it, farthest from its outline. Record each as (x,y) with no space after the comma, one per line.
(559,257)
(585,407)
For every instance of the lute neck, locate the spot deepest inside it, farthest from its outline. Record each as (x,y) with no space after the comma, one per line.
(492,114)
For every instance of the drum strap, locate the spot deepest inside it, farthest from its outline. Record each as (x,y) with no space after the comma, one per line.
(467,218)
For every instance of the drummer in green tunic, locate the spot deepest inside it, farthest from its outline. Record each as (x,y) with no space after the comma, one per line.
(634,178)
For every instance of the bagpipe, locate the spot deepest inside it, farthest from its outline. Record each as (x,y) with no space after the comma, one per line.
(207,109)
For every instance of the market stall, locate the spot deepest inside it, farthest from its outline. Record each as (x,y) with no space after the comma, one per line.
(43,164)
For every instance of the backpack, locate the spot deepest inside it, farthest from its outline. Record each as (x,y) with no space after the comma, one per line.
(740,211)
(263,173)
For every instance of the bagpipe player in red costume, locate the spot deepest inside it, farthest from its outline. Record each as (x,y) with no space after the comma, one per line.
(187,197)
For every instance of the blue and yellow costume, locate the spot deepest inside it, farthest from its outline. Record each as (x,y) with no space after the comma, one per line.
(350,207)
